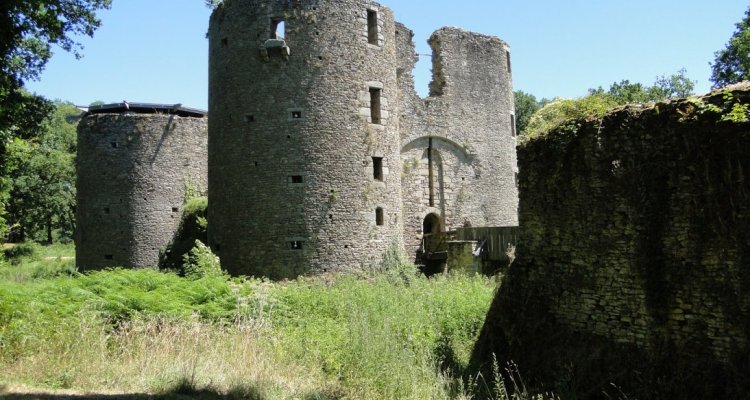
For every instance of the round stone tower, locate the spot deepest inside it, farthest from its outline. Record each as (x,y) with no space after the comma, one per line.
(136,163)
(304,167)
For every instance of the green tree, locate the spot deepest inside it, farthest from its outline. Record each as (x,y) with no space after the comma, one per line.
(732,64)
(675,86)
(28,31)
(526,105)
(42,196)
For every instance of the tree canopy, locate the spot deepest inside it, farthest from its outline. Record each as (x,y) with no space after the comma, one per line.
(526,105)
(42,171)
(29,29)
(732,64)
(599,101)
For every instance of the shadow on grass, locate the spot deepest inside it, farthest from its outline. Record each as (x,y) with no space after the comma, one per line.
(245,392)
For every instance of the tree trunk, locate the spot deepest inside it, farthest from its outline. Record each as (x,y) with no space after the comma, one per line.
(49,229)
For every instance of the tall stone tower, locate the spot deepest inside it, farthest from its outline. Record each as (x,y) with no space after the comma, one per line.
(135,163)
(304,146)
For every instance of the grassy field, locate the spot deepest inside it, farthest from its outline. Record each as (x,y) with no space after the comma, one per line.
(388,333)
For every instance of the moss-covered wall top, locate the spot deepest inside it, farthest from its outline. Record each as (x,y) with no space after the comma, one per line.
(635,231)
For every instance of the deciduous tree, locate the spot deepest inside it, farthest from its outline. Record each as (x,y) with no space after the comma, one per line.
(28,31)
(732,64)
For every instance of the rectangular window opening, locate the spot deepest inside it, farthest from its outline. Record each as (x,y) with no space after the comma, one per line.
(106,210)
(512,125)
(507,60)
(377,168)
(296,179)
(175,209)
(296,244)
(278,28)
(375,105)
(113,144)
(109,257)
(296,114)
(372,27)
(249,118)
(379,216)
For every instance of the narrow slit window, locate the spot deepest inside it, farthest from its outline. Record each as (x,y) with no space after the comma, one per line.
(372,27)
(507,60)
(379,216)
(377,168)
(375,105)
(512,125)
(278,28)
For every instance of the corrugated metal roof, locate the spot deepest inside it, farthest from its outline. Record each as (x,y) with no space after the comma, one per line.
(147,108)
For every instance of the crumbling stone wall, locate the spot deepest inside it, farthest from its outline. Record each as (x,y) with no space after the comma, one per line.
(133,172)
(465,129)
(633,262)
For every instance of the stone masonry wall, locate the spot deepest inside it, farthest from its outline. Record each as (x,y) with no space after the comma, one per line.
(133,173)
(292,142)
(635,235)
(468,121)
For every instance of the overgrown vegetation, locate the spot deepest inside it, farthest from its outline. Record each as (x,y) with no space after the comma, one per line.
(192,228)
(386,333)
(537,119)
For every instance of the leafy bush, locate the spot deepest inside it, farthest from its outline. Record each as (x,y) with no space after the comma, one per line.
(192,228)
(26,249)
(31,261)
(561,111)
(201,262)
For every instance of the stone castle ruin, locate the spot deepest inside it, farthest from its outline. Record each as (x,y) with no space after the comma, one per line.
(320,155)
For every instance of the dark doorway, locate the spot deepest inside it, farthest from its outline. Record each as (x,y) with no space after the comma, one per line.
(431,224)
(432,252)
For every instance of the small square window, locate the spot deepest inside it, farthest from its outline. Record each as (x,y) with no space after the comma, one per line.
(296,244)
(296,179)
(106,210)
(113,144)
(296,114)
(109,257)
(175,209)
(249,118)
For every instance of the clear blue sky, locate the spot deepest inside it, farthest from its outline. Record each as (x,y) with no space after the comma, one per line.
(156,50)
